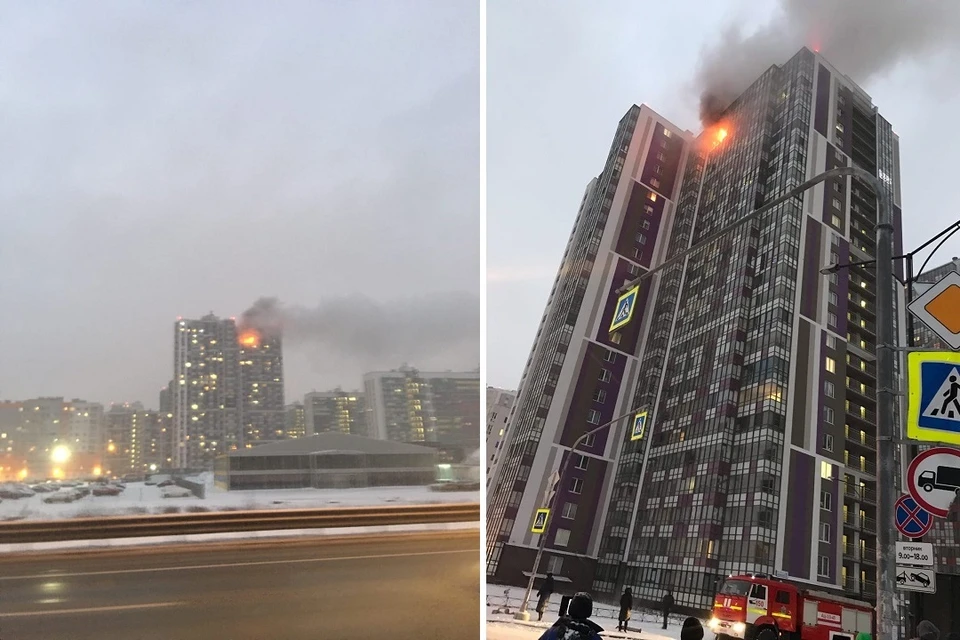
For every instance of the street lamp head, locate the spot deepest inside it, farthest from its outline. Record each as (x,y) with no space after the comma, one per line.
(60,454)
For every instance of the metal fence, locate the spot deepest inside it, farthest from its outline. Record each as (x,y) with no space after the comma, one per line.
(504,602)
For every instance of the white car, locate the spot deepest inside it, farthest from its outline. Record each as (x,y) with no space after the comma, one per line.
(175,492)
(64,495)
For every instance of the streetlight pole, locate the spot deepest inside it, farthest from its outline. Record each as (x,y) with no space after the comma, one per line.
(522,613)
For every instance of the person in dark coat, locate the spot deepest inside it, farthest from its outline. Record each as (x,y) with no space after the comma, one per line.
(666,605)
(692,630)
(626,605)
(576,625)
(543,596)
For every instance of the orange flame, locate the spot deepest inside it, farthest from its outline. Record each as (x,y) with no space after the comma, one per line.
(250,338)
(714,136)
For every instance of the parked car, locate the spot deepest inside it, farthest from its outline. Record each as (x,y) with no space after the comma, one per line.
(166,483)
(106,490)
(62,496)
(175,492)
(8,492)
(42,488)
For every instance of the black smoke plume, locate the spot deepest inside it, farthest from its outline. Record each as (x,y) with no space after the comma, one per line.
(386,332)
(861,38)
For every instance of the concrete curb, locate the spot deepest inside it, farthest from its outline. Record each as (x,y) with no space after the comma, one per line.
(114,543)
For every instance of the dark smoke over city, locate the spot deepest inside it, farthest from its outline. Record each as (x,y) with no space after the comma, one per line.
(383,332)
(864,38)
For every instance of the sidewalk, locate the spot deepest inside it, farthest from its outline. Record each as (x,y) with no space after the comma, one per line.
(503,602)
(500,629)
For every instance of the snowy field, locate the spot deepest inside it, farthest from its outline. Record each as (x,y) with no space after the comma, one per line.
(139,498)
(646,624)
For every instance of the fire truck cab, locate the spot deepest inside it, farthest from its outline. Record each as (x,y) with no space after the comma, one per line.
(758,607)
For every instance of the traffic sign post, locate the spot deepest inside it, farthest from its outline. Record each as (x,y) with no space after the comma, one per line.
(917,554)
(933,479)
(933,397)
(911,519)
(939,308)
(624,311)
(540,521)
(639,426)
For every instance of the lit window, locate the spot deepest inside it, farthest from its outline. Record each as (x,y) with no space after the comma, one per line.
(826,470)
(652,196)
(831,365)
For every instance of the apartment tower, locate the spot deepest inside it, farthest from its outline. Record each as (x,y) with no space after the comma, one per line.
(756,370)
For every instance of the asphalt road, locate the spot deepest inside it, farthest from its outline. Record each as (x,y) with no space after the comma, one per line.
(416,586)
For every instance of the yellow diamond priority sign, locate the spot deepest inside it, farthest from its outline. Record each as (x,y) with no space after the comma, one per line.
(939,308)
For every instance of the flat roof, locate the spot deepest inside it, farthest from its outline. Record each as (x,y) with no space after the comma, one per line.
(331,442)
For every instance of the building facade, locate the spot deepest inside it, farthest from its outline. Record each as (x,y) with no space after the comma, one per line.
(338,410)
(207,389)
(757,372)
(86,427)
(408,405)
(499,404)
(262,408)
(296,422)
(576,378)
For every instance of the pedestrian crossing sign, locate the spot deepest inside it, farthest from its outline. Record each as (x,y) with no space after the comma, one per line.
(639,426)
(933,400)
(624,311)
(540,521)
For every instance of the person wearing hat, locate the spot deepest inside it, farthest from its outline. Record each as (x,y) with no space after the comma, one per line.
(576,625)
(692,630)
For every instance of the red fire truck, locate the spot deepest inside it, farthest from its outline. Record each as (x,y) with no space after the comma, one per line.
(758,607)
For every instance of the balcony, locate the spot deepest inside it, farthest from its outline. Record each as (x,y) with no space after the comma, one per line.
(860,438)
(861,391)
(861,522)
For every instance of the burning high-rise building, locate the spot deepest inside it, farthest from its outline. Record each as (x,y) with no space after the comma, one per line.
(227,389)
(756,371)
(262,410)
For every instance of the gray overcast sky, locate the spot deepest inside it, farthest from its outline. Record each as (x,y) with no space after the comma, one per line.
(160,159)
(561,75)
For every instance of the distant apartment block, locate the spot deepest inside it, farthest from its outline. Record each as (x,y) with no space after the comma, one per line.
(408,405)
(338,410)
(295,422)
(499,404)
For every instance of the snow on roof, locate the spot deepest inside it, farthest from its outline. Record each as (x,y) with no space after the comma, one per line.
(331,442)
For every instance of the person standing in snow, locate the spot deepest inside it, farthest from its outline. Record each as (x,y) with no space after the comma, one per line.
(576,625)
(667,606)
(543,596)
(626,605)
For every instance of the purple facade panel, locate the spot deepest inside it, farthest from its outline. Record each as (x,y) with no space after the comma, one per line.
(811,272)
(800,511)
(643,217)
(832,487)
(843,288)
(662,164)
(582,401)
(629,334)
(822,112)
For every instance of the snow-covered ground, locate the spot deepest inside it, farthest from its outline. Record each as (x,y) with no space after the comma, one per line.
(139,498)
(646,624)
